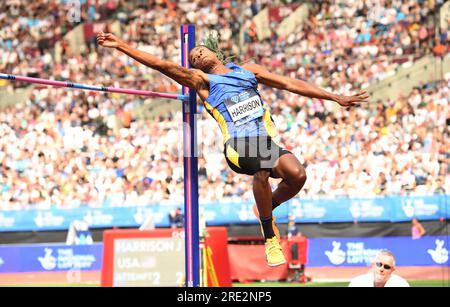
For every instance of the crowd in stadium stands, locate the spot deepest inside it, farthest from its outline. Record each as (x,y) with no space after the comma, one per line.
(345,45)
(61,148)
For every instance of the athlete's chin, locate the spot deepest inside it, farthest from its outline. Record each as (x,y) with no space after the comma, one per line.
(207,69)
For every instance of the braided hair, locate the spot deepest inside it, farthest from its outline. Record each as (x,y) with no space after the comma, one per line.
(211,42)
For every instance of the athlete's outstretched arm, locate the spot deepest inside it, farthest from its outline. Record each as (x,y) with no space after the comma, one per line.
(301,87)
(192,78)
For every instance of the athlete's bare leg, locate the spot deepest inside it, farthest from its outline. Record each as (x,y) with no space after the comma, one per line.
(294,177)
(263,193)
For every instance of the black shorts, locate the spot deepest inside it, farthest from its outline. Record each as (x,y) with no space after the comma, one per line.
(251,154)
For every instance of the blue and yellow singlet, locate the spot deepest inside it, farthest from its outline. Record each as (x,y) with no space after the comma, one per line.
(236,105)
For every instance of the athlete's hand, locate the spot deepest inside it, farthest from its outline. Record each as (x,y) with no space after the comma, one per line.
(354,100)
(108,40)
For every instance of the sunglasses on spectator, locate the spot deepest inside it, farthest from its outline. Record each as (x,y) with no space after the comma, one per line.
(385,266)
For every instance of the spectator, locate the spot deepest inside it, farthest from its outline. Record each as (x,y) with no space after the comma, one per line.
(439,186)
(439,48)
(381,274)
(291,228)
(176,218)
(417,230)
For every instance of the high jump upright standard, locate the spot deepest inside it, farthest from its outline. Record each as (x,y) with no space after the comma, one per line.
(190,149)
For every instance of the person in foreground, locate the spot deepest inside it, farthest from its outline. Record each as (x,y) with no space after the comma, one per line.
(381,274)
(230,95)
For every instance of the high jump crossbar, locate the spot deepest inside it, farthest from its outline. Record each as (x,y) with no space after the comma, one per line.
(97,88)
(190,160)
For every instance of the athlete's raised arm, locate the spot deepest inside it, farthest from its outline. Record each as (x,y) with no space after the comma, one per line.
(301,87)
(192,78)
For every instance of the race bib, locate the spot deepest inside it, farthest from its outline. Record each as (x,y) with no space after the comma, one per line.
(244,107)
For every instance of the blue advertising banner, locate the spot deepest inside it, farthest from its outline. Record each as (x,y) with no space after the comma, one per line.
(328,252)
(382,209)
(50,258)
(349,252)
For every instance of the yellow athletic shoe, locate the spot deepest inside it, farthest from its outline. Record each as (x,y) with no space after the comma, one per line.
(274,227)
(274,252)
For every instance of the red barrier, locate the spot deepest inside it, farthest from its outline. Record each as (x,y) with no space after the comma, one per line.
(217,240)
(248,262)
